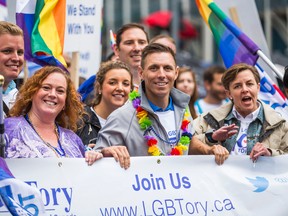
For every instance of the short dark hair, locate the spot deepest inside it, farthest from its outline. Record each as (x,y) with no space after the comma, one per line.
(208,75)
(230,74)
(285,77)
(110,56)
(155,48)
(125,27)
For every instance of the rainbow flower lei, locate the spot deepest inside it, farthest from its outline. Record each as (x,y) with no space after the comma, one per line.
(145,123)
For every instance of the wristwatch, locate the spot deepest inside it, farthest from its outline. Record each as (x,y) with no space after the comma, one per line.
(208,135)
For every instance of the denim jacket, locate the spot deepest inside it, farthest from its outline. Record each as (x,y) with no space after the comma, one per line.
(268,128)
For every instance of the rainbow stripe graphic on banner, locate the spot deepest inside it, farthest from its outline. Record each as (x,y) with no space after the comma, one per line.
(3,2)
(236,47)
(233,44)
(43,24)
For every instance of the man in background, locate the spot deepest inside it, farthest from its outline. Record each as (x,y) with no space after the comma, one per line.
(130,41)
(215,92)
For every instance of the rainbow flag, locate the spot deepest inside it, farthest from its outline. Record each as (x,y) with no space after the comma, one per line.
(235,47)
(43,24)
(233,44)
(112,39)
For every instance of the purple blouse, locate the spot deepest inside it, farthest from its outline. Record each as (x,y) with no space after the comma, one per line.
(23,142)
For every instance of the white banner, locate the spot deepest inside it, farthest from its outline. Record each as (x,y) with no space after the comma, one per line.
(187,185)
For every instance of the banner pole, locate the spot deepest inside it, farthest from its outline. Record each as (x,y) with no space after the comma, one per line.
(270,64)
(25,71)
(74,69)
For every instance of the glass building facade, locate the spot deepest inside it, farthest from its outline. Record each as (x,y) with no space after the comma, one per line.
(119,12)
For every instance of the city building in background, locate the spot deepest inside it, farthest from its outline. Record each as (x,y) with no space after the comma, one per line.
(195,48)
(273,16)
(200,50)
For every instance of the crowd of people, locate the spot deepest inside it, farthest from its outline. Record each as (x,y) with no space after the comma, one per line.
(143,104)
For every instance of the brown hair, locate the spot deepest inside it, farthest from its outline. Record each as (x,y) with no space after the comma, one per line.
(155,48)
(230,74)
(125,28)
(194,96)
(101,74)
(73,110)
(10,28)
(208,74)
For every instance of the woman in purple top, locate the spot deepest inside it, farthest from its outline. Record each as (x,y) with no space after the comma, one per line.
(44,117)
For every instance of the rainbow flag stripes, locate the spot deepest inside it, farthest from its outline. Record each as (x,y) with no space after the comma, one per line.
(233,44)
(43,24)
(236,47)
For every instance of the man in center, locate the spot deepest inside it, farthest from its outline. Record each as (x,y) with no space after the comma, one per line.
(156,121)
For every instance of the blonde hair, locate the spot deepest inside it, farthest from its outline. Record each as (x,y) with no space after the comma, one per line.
(10,28)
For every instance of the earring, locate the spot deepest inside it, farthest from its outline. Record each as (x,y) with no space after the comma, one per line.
(99,93)
(63,108)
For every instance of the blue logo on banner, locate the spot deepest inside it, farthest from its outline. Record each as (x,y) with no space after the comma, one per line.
(260,183)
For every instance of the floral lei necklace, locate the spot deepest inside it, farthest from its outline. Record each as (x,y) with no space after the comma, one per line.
(146,123)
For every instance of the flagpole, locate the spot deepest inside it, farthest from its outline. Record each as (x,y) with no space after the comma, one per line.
(74,69)
(270,64)
(26,72)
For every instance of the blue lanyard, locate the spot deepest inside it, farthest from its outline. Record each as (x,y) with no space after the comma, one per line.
(62,153)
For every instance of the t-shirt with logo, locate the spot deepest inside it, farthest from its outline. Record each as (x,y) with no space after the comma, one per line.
(240,147)
(167,119)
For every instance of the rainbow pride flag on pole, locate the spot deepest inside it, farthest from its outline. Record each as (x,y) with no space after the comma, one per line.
(43,24)
(233,44)
(112,39)
(236,47)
